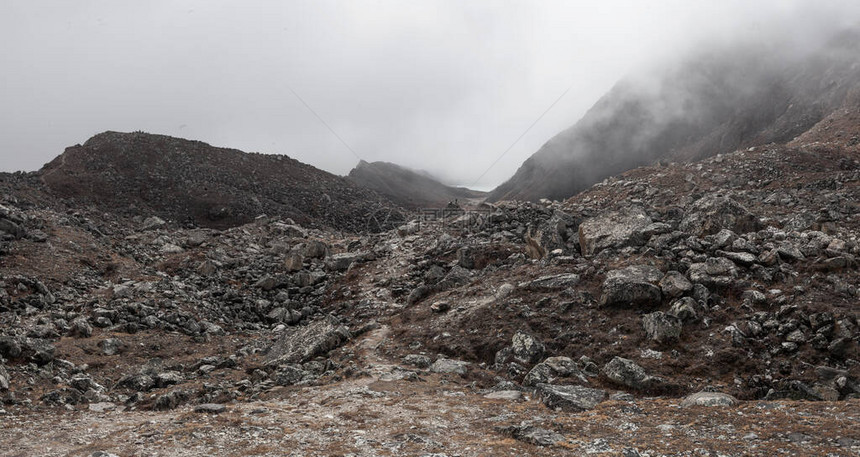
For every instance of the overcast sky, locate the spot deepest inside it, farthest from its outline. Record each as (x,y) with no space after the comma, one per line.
(444,86)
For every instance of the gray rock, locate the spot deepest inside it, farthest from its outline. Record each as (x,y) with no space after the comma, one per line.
(139,382)
(709,399)
(526,349)
(7,226)
(288,375)
(81,328)
(570,398)
(789,252)
(633,286)
(171,400)
(443,365)
(715,212)
(613,229)
(289,230)
(168,378)
(552,369)
(553,282)
(4,378)
(152,223)
(300,344)
(661,327)
(267,283)
(210,408)
(111,346)
(102,454)
(675,284)
(512,395)
(745,259)
(101,407)
(685,309)
(342,262)
(294,262)
(714,272)
(627,373)
(10,347)
(417,360)
(532,435)
(314,249)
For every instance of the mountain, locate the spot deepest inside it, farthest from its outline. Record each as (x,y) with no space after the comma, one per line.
(409,188)
(193,182)
(705,294)
(718,100)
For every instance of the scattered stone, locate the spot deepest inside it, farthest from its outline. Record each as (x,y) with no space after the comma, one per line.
(552,369)
(443,365)
(553,282)
(152,223)
(101,407)
(628,373)
(661,327)
(210,408)
(526,349)
(300,344)
(709,399)
(532,435)
(612,230)
(633,286)
(512,395)
(675,284)
(569,398)
(111,346)
(4,378)
(714,212)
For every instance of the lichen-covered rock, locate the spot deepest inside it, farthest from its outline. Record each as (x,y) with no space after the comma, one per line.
(627,373)
(710,399)
(526,349)
(633,286)
(300,344)
(661,327)
(569,398)
(714,212)
(613,229)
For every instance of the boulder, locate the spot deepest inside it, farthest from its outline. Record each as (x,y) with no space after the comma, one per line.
(4,378)
(569,398)
(710,399)
(633,286)
(713,272)
(342,262)
(443,365)
(675,284)
(526,349)
(613,230)
(714,212)
(686,309)
(152,223)
(661,327)
(300,344)
(627,373)
(532,435)
(210,408)
(552,369)
(552,282)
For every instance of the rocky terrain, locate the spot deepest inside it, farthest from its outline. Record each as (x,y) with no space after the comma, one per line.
(408,188)
(713,100)
(193,183)
(691,308)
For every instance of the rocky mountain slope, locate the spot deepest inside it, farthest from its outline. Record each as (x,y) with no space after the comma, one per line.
(715,101)
(708,307)
(409,188)
(193,182)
